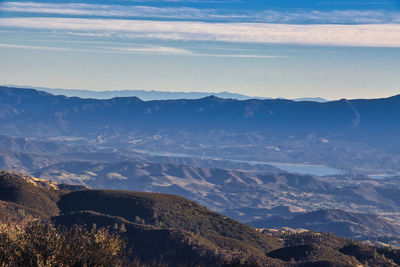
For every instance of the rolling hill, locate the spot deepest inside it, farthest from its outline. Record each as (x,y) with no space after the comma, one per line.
(171,212)
(342,223)
(247,196)
(177,230)
(20,195)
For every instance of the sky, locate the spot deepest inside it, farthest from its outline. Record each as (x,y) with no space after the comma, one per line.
(288,48)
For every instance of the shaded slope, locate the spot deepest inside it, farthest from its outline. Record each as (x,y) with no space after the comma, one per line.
(167,211)
(171,230)
(16,190)
(151,244)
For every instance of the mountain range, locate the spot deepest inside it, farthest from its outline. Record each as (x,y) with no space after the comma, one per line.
(351,135)
(24,110)
(152,95)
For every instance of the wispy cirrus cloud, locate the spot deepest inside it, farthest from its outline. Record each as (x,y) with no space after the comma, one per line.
(375,35)
(204,14)
(33,47)
(143,50)
(185,52)
(154,50)
(327,17)
(163,50)
(83,9)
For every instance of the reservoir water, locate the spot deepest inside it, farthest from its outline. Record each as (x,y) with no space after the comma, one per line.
(312,169)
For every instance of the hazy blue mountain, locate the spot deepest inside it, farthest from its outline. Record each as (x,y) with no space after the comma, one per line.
(154,94)
(314,99)
(30,112)
(142,94)
(353,135)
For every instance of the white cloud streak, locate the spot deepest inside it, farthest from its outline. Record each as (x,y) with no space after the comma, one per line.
(186,13)
(375,35)
(136,50)
(81,9)
(155,50)
(149,50)
(33,47)
(184,52)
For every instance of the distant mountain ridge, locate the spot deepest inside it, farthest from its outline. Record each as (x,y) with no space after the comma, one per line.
(358,135)
(153,94)
(30,111)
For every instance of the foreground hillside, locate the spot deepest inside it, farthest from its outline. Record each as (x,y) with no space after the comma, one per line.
(200,225)
(168,229)
(158,227)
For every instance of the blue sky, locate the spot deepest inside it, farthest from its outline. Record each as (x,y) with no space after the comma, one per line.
(332,49)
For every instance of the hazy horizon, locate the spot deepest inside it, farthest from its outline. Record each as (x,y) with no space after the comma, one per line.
(341,49)
(187,92)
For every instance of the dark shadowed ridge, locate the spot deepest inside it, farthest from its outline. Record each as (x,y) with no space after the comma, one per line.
(159,227)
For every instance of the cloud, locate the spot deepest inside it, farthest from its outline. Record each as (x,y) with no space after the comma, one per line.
(239,56)
(137,50)
(154,50)
(202,14)
(89,34)
(327,17)
(374,35)
(34,47)
(184,52)
(151,50)
(81,9)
